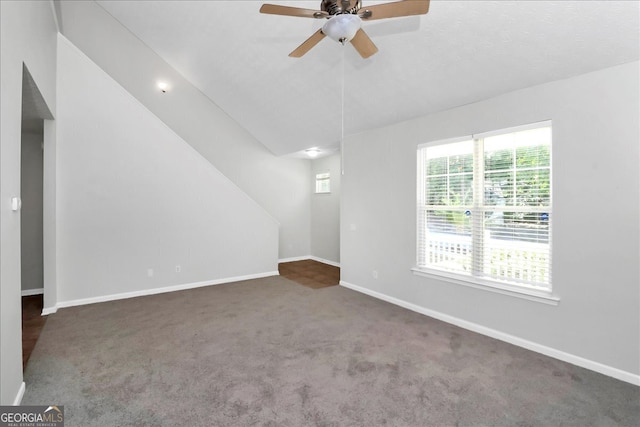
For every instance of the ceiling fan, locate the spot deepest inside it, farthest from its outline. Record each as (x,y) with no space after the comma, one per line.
(344,21)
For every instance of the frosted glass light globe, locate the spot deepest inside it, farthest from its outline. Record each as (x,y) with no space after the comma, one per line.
(342,28)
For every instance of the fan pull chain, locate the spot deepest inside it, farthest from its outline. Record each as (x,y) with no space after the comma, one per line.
(342,118)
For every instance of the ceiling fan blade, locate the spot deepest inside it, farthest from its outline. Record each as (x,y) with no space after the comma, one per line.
(274,9)
(308,44)
(394,10)
(363,44)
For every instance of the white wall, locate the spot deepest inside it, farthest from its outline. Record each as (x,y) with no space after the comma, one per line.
(49,241)
(325,211)
(133,196)
(595,218)
(27,34)
(278,184)
(31,220)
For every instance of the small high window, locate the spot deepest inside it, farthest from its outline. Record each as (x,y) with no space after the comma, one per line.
(323,183)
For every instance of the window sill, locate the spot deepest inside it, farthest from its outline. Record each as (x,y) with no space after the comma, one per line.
(535,295)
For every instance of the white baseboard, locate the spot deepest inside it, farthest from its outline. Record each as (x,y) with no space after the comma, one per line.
(295,258)
(18,400)
(311,257)
(29,292)
(49,310)
(325,261)
(146,292)
(511,339)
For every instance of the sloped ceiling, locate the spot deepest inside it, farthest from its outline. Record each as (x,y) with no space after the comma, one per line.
(34,107)
(460,52)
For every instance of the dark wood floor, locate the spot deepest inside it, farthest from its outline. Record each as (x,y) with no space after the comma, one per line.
(32,323)
(312,274)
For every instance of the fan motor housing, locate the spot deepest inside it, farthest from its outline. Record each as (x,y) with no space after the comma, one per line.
(334,7)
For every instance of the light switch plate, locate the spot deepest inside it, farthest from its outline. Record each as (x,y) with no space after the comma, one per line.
(16,203)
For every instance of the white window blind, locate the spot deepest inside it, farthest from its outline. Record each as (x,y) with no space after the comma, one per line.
(323,181)
(484,207)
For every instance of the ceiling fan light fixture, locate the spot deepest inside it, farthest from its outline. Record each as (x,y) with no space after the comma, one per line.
(342,28)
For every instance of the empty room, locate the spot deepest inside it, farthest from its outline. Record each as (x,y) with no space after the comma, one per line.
(323,212)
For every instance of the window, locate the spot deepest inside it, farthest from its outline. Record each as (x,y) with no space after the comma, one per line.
(484,208)
(323,183)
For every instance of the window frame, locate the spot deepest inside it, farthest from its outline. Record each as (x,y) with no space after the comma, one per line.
(321,178)
(474,279)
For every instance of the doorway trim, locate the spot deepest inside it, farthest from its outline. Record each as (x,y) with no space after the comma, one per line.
(35,107)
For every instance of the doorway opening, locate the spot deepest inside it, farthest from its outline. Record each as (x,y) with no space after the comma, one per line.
(34,113)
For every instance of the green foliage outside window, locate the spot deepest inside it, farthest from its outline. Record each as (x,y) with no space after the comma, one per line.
(513,177)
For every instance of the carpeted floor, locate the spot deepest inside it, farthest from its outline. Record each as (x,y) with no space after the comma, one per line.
(271,352)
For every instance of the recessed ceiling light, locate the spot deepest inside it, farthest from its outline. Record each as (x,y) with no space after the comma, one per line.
(163,86)
(312,152)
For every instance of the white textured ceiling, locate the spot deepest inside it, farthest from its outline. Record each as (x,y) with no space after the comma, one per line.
(460,52)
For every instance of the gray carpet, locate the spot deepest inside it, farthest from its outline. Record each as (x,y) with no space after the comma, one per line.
(271,352)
